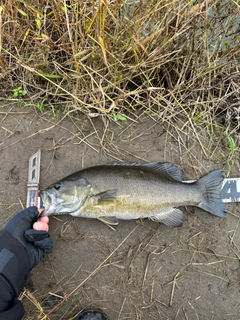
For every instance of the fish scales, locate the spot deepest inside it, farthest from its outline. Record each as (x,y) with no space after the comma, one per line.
(132,191)
(142,186)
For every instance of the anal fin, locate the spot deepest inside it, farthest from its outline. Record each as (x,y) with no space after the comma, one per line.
(171,217)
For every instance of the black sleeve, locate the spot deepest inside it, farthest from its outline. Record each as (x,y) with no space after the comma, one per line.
(16,312)
(13,261)
(10,307)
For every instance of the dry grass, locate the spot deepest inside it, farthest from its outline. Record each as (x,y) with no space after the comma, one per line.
(172,59)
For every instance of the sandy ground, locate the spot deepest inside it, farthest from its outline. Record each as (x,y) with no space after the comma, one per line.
(143,270)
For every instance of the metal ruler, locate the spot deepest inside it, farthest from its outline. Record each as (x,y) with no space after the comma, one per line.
(33,180)
(230,190)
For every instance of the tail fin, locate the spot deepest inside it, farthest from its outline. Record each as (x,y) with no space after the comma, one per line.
(210,185)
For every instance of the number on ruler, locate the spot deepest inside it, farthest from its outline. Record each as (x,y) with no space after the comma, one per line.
(229,191)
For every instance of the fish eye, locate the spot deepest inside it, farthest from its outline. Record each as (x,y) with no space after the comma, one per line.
(57,186)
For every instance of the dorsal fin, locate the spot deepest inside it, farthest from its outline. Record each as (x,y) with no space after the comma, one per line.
(167,170)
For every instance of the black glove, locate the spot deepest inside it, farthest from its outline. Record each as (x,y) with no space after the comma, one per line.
(22,248)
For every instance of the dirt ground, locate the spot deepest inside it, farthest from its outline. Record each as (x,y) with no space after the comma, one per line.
(143,270)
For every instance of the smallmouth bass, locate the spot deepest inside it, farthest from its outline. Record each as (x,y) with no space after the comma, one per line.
(131,191)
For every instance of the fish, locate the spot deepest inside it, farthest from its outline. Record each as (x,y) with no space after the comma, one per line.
(128,190)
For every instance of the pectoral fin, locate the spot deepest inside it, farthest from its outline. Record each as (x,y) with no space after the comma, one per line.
(171,217)
(107,195)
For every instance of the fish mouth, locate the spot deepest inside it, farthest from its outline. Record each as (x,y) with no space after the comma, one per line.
(52,206)
(46,200)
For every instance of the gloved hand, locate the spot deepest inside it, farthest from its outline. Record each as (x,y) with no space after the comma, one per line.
(22,247)
(37,243)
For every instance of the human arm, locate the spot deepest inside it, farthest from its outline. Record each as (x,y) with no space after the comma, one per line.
(24,242)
